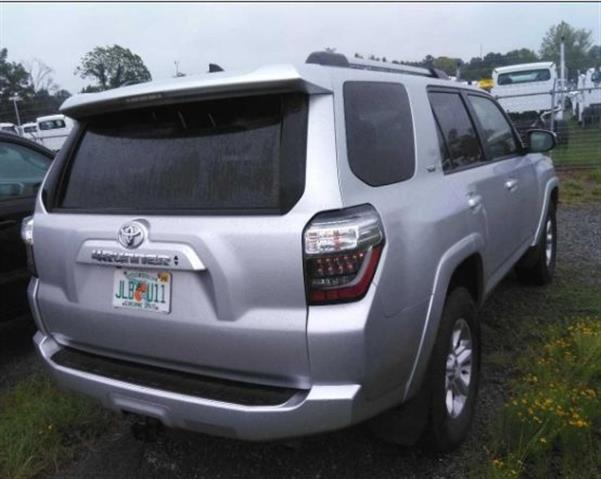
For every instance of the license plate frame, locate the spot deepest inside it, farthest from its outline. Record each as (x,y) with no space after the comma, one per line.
(142,290)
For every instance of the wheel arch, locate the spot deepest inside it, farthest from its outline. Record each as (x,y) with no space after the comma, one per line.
(470,275)
(461,265)
(551,197)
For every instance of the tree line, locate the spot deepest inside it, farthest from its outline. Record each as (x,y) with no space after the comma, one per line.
(33,87)
(580,54)
(115,66)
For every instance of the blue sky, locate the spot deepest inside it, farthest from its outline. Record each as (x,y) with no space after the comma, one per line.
(247,35)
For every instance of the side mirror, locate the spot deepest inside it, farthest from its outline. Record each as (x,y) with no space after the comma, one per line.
(541,141)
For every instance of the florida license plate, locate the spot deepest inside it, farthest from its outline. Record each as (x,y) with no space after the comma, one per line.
(142,290)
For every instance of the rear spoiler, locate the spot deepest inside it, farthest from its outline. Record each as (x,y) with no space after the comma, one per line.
(275,79)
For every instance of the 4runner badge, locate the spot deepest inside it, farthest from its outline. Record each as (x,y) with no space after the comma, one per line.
(131,235)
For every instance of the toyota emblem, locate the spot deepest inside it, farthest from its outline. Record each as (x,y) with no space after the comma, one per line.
(131,235)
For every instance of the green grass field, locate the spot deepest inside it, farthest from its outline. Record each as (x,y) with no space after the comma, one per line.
(580,186)
(551,424)
(42,427)
(584,147)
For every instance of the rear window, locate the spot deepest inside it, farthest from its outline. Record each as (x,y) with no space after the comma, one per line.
(379,132)
(52,124)
(526,76)
(237,154)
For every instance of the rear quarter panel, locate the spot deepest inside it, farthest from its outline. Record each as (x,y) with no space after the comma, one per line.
(423,217)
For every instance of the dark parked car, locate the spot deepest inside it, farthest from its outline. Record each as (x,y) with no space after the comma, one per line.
(23,165)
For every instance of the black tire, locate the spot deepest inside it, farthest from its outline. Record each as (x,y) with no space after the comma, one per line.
(537,266)
(447,428)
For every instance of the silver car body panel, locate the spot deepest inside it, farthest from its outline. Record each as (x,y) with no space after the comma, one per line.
(241,311)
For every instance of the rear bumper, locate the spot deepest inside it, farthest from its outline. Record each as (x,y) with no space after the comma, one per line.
(322,408)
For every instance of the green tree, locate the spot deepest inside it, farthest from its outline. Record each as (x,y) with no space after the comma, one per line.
(447,64)
(42,102)
(523,55)
(577,43)
(38,93)
(594,55)
(112,67)
(14,78)
(478,68)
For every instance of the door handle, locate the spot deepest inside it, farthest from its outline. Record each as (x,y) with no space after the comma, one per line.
(474,201)
(511,184)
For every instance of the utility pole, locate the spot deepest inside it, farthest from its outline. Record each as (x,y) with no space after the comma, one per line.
(15,98)
(562,61)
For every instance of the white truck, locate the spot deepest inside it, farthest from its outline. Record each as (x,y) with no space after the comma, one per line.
(30,131)
(53,130)
(588,105)
(9,128)
(525,91)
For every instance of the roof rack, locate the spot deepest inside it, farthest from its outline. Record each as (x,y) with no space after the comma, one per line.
(339,60)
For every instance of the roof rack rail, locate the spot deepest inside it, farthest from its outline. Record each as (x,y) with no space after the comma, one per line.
(339,60)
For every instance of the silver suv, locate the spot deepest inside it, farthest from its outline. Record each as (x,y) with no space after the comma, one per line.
(286,251)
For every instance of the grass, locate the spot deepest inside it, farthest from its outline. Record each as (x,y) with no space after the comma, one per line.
(580,186)
(584,147)
(551,426)
(42,427)
(550,423)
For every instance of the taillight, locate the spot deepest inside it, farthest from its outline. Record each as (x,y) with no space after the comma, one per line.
(27,237)
(342,250)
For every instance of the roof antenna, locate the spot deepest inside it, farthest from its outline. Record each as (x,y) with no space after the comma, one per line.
(214,68)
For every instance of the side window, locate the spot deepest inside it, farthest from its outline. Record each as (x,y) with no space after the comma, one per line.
(457,128)
(21,171)
(497,135)
(379,132)
(447,163)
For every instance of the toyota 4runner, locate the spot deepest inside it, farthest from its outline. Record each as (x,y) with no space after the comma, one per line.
(286,251)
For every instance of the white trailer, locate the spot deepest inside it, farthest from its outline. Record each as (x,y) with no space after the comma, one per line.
(589,104)
(53,130)
(531,93)
(30,131)
(9,128)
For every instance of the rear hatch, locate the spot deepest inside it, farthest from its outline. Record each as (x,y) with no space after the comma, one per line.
(200,207)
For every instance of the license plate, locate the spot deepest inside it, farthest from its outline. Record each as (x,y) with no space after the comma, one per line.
(142,290)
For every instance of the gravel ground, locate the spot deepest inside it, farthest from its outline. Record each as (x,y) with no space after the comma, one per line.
(352,452)
(579,239)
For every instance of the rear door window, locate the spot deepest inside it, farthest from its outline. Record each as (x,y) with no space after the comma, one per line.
(238,154)
(379,132)
(457,128)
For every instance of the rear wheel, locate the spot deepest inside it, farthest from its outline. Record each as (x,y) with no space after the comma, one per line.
(538,264)
(454,373)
